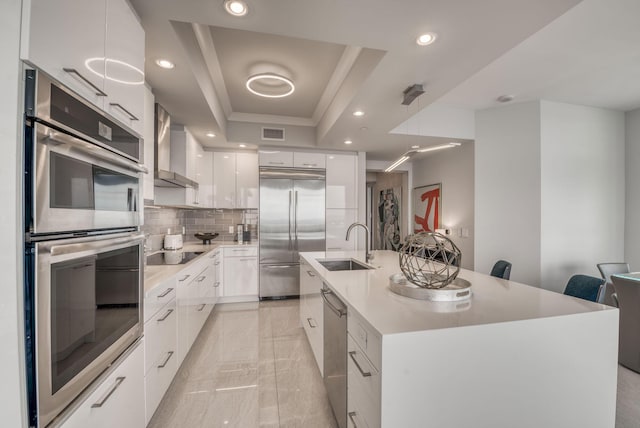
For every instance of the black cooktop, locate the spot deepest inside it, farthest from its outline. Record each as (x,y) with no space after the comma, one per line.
(172,257)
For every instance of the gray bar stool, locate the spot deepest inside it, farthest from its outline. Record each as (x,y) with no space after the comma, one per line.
(606,294)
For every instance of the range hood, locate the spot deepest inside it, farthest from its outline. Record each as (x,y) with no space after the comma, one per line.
(163,174)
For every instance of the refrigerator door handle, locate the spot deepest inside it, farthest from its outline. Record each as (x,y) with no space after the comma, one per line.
(295,216)
(290,194)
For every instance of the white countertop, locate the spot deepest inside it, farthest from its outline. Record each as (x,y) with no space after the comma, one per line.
(494,300)
(154,275)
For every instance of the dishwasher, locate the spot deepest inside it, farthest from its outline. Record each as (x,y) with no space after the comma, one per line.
(335,354)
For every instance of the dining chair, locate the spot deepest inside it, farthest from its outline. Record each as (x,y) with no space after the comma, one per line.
(502,269)
(584,286)
(628,291)
(607,293)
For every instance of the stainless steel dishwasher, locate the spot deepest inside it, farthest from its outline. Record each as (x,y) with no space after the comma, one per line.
(335,354)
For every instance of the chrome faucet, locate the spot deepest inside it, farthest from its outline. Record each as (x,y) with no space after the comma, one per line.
(368,253)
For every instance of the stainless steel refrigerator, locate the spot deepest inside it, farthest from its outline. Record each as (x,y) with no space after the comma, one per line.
(291,221)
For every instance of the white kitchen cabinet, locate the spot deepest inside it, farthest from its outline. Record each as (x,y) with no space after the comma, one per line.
(124,65)
(338,221)
(363,387)
(119,399)
(341,181)
(94,47)
(149,144)
(276,158)
(309,160)
(205,179)
(247,180)
(240,276)
(185,152)
(216,261)
(224,180)
(311,312)
(59,35)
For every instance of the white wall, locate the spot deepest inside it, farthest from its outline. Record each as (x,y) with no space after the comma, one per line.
(632,218)
(507,190)
(582,191)
(12,402)
(439,120)
(454,169)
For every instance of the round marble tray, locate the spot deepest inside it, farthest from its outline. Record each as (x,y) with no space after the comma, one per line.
(459,289)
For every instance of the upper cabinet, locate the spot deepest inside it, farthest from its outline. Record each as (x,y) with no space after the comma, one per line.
(235,180)
(309,160)
(205,179)
(148,135)
(94,47)
(341,181)
(276,158)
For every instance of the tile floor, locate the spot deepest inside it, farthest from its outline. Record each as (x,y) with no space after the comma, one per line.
(252,367)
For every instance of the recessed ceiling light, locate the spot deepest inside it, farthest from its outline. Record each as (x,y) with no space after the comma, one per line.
(426,39)
(364,128)
(415,147)
(270,85)
(348,142)
(505,98)
(242,145)
(236,7)
(358,113)
(165,63)
(210,134)
(199,155)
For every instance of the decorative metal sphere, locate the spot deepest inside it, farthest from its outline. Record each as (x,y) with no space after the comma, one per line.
(430,260)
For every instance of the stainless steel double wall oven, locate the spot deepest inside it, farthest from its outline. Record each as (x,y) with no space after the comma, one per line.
(83,246)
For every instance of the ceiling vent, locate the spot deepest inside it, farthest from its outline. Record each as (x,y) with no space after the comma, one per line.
(273,134)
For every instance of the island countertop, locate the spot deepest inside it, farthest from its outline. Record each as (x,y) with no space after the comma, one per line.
(494,300)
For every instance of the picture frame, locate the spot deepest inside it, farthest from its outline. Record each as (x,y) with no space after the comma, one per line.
(427,208)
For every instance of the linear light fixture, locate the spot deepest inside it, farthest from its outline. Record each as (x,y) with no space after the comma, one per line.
(407,155)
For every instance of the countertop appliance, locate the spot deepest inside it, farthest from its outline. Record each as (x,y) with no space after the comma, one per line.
(84,253)
(173,241)
(335,354)
(292,220)
(172,257)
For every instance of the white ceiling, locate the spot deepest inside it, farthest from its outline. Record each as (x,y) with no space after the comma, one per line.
(368,52)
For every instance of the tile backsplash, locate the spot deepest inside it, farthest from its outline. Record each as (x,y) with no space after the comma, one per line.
(158,220)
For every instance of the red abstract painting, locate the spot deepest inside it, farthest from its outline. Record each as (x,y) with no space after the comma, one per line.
(426,208)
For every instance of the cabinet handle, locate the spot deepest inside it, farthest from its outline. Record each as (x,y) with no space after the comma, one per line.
(276,163)
(242,251)
(216,263)
(334,248)
(216,284)
(311,325)
(202,278)
(169,312)
(213,256)
(246,260)
(310,274)
(352,354)
(131,116)
(115,386)
(184,278)
(99,92)
(201,307)
(352,416)
(309,164)
(169,290)
(164,363)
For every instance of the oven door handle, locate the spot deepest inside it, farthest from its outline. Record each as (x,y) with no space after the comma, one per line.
(98,151)
(90,244)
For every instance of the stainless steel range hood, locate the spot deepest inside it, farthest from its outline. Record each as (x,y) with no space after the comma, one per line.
(163,174)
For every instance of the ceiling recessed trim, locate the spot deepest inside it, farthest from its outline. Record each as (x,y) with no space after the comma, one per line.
(271,119)
(236,7)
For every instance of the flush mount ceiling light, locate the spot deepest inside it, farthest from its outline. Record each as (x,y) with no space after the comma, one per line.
(242,145)
(358,113)
(165,63)
(236,7)
(270,85)
(115,70)
(347,142)
(426,39)
(210,134)
(406,156)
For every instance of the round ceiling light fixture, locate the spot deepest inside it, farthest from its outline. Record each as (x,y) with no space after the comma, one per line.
(165,63)
(210,134)
(358,113)
(270,85)
(236,7)
(426,39)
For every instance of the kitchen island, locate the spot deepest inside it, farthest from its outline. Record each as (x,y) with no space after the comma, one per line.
(511,356)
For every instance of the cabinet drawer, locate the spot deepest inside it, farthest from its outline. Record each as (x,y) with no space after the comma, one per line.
(119,399)
(158,297)
(364,385)
(275,158)
(309,160)
(157,381)
(160,335)
(241,251)
(365,337)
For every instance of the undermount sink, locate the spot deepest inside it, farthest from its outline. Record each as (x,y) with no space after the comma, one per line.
(343,264)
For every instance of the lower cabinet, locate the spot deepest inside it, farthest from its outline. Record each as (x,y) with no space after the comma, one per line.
(119,400)
(311,312)
(363,388)
(240,272)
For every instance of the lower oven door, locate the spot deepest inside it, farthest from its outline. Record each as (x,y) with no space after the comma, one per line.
(88,298)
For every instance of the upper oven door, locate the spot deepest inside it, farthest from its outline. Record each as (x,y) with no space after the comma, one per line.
(81,186)
(88,310)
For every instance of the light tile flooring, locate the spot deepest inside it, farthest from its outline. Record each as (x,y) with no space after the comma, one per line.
(252,366)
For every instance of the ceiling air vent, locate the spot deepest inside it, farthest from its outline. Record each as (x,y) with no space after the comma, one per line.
(273,134)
